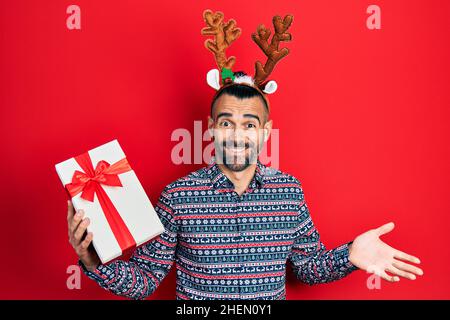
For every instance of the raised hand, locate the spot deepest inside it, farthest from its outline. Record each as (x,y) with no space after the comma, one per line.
(369,253)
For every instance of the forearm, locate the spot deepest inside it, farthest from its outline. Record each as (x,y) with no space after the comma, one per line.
(141,275)
(150,263)
(324,265)
(124,278)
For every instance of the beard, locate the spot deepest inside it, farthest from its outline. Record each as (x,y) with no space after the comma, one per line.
(237,156)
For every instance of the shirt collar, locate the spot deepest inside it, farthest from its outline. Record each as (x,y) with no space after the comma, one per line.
(219,179)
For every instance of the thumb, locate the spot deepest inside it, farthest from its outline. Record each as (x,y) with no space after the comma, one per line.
(388,227)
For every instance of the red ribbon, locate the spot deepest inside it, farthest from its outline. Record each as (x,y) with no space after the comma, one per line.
(89,183)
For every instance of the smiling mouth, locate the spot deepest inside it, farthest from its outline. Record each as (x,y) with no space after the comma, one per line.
(236,150)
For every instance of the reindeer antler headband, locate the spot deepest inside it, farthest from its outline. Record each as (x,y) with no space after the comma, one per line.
(225,33)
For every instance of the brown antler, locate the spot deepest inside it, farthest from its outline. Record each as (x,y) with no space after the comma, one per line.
(271,51)
(224,33)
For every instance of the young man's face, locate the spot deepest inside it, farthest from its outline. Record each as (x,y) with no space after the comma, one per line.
(239,127)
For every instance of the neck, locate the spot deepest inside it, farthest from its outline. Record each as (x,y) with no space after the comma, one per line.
(240,179)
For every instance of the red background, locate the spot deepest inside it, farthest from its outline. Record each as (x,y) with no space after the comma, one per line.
(363,118)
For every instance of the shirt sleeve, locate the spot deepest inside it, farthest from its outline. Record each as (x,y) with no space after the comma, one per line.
(150,263)
(311,262)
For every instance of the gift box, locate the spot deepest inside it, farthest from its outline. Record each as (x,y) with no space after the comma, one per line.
(103,184)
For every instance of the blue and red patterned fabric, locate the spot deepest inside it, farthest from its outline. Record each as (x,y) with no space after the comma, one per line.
(227,246)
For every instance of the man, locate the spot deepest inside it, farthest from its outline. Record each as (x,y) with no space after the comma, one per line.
(232,227)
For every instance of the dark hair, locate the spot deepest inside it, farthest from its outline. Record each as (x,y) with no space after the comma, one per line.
(240,91)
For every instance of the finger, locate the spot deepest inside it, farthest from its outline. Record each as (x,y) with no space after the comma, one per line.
(401,273)
(387,277)
(407,267)
(70,210)
(79,232)
(404,256)
(76,221)
(388,227)
(381,273)
(87,241)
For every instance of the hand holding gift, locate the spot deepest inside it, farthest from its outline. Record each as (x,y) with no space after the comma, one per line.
(80,239)
(106,192)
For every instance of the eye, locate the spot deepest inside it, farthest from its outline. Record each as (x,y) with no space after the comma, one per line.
(225,124)
(251,125)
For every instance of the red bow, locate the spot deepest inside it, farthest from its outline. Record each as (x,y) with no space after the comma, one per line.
(104,173)
(89,183)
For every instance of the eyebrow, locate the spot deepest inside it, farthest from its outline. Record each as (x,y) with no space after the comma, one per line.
(223,114)
(247,115)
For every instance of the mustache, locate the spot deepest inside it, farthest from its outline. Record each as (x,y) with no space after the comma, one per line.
(237,144)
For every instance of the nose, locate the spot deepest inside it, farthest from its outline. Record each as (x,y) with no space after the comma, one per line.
(238,134)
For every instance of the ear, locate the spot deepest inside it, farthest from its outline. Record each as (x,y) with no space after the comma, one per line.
(267,130)
(210,122)
(270,87)
(211,126)
(213,78)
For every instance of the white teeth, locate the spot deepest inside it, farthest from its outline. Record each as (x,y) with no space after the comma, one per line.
(236,149)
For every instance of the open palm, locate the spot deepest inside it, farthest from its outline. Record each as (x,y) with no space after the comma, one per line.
(369,253)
